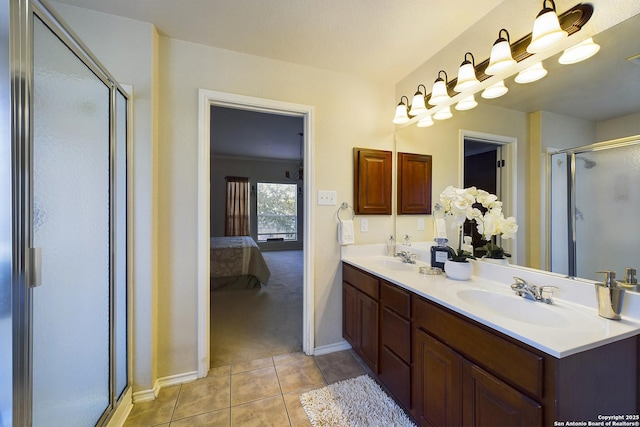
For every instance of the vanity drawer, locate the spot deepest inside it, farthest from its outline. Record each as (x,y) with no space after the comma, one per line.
(507,360)
(395,298)
(396,334)
(361,281)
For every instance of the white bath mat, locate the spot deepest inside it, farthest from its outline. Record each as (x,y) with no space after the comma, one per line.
(356,402)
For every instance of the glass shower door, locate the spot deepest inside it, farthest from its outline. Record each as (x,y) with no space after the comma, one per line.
(71,226)
(607,202)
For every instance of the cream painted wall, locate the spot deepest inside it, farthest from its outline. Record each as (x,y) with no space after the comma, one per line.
(348,112)
(128,49)
(618,128)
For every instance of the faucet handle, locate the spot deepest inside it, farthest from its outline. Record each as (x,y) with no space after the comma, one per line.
(546,293)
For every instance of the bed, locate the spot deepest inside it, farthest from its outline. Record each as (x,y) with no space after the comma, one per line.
(237,263)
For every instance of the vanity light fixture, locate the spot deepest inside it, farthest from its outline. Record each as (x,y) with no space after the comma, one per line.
(467,103)
(425,122)
(418,105)
(443,114)
(402,112)
(467,74)
(546,29)
(495,91)
(501,57)
(439,93)
(579,52)
(531,74)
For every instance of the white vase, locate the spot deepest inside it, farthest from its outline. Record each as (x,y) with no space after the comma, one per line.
(499,261)
(458,270)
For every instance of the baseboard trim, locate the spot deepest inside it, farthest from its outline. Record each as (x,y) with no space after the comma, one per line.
(331,348)
(148,395)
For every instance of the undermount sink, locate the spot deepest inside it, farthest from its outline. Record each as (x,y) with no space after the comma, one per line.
(516,308)
(393,264)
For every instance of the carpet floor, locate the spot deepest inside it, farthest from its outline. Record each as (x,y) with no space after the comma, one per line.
(356,402)
(262,322)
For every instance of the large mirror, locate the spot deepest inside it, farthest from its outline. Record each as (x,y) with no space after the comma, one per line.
(573,106)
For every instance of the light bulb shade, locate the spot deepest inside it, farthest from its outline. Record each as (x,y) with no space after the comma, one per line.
(467,103)
(531,74)
(425,122)
(581,51)
(401,114)
(466,77)
(418,105)
(495,91)
(443,114)
(439,93)
(501,57)
(546,30)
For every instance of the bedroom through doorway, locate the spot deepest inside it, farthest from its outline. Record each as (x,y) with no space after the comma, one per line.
(257,267)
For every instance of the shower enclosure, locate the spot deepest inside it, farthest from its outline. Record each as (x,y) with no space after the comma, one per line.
(594,204)
(63,227)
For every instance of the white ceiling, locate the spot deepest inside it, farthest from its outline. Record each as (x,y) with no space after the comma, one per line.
(378,40)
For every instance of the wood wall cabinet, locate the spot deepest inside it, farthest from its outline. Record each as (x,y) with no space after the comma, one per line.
(360,314)
(414,184)
(372,177)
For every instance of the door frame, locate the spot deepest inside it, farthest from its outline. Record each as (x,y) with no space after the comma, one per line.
(509,177)
(206,99)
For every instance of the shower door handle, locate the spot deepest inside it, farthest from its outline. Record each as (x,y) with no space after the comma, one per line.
(35,267)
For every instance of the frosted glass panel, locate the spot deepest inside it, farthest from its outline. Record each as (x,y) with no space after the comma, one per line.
(71,225)
(607,185)
(559,243)
(121,244)
(6,345)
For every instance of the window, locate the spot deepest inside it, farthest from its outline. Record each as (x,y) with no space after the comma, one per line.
(277,212)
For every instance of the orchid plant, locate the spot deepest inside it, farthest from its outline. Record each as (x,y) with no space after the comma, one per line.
(462,204)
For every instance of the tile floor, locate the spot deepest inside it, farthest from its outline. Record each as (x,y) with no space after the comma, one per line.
(262,392)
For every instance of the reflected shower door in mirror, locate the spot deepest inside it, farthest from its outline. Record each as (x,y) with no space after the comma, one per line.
(595,197)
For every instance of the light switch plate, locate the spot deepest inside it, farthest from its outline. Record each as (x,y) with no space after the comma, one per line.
(364,225)
(420,224)
(327,198)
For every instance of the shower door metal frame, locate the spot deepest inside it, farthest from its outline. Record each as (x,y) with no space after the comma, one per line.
(22,14)
(571,193)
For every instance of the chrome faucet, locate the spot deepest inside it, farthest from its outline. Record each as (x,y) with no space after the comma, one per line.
(524,289)
(406,257)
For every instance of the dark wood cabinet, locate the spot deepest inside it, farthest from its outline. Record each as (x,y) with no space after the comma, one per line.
(490,402)
(437,382)
(448,370)
(451,390)
(395,341)
(360,314)
(414,184)
(372,179)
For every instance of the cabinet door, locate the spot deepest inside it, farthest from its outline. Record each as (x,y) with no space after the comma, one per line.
(350,314)
(414,184)
(368,308)
(437,382)
(490,402)
(372,181)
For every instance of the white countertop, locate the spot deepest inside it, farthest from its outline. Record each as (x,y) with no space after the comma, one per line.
(569,326)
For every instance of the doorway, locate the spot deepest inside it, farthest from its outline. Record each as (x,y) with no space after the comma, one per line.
(207,99)
(253,318)
(489,164)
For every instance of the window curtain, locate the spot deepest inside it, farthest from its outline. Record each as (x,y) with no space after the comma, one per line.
(237,210)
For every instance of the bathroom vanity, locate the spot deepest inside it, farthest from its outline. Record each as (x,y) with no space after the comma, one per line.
(473,353)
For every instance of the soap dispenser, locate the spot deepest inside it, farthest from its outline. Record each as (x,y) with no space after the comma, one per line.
(609,296)
(630,281)
(391,246)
